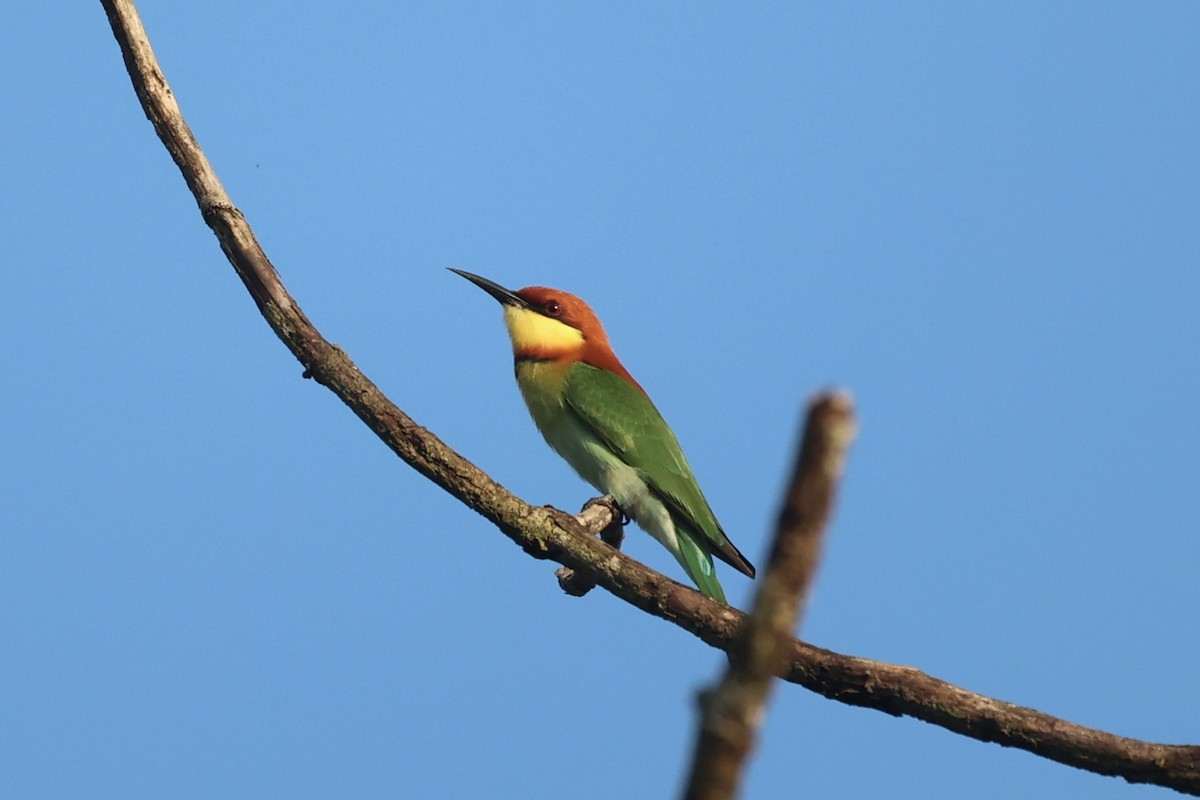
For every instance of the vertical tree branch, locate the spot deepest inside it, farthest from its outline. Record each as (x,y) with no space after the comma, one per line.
(732,712)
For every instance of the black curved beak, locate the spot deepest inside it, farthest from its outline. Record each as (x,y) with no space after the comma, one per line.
(497,291)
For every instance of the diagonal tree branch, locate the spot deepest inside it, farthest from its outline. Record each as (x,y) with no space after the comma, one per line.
(551,534)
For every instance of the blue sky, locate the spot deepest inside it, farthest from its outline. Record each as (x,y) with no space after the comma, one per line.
(982,220)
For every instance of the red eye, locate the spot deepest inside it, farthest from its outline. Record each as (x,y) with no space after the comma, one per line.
(552,308)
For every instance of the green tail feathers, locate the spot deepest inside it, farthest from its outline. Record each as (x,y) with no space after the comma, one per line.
(699,566)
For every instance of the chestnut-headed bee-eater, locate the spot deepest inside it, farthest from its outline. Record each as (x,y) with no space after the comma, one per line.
(597,417)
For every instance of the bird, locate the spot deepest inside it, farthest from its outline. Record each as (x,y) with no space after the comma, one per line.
(593,413)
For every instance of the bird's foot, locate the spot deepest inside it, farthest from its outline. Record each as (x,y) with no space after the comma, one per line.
(597,512)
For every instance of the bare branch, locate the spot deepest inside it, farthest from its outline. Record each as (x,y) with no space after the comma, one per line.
(732,712)
(550,534)
(906,691)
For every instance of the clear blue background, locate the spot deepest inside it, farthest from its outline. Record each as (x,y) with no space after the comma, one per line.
(981,219)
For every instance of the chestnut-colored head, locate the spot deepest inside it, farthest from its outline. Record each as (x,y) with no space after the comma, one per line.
(552,325)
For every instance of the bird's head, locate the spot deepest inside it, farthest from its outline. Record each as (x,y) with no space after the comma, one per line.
(551,325)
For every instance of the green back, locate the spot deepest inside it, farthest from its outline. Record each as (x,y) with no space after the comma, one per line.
(628,423)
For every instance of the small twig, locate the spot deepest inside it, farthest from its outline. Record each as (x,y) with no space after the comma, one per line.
(603,516)
(732,712)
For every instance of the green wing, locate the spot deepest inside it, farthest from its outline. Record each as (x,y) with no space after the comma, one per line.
(629,424)
(699,565)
